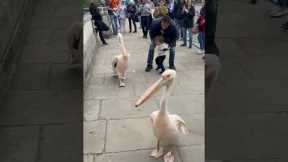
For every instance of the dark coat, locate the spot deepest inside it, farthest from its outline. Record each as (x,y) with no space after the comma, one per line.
(97,17)
(131,11)
(170,34)
(188,21)
(179,15)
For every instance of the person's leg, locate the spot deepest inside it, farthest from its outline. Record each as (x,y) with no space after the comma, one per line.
(162,58)
(190,35)
(184,31)
(142,25)
(116,22)
(113,24)
(135,26)
(179,28)
(150,57)
(172,58)
(130,25)
(145,26)
(201,39)
(158,63)
(102,37)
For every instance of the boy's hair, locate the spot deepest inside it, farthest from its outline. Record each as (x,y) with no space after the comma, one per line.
(159,39)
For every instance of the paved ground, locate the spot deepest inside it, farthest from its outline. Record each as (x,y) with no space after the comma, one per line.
(114,131)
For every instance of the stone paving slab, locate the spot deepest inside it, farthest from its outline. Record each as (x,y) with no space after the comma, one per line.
(19,144)
(94,136)
(125,109)
(141,135)
(31,77)
(62,77)
(61,143)
(88,158)
(50,107)
(233,14)
(129,134)
(91,109)
(192,154)
(130,156)
(249,133)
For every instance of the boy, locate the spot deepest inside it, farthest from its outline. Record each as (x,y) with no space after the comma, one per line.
(162,48)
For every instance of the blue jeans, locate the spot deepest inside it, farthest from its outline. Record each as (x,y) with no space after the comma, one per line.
(114,21)
(201,39)
(151,55)
(185,36)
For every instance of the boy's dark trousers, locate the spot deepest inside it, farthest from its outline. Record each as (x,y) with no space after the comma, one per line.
(159,62)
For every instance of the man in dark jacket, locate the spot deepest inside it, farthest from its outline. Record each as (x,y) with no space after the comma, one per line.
(162,27)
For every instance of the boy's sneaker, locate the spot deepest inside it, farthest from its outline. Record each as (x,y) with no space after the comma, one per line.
(148,68)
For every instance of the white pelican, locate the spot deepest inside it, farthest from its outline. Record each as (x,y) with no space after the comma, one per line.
(120,62)
(166,126)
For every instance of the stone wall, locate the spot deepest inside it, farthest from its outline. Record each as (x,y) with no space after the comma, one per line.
(14,17)
(90,45)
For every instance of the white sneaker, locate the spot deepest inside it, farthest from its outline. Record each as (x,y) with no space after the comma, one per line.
(200,52)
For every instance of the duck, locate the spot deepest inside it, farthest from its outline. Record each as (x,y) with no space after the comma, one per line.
(166,126)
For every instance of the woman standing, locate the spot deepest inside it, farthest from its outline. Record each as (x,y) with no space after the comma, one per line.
(131,13)
(189,12)
(122,16)
(201,28)
(179,16)
(146,16)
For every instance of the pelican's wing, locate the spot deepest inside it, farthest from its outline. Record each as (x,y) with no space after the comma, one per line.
(153,115)
(114,62)
(180,124)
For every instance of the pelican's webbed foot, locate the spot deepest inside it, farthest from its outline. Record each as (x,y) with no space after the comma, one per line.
(157,153)
(169,157)
(122,83)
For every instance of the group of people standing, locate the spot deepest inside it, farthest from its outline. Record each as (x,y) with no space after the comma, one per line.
(182,12)
(171,19)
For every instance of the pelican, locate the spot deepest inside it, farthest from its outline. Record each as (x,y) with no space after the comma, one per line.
(167,127)
(120,62)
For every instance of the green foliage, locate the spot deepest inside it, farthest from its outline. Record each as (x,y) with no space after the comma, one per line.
(84,3)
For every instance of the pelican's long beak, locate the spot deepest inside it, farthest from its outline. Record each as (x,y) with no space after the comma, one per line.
(149,92)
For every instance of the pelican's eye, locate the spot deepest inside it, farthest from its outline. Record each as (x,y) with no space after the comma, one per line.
(167,77)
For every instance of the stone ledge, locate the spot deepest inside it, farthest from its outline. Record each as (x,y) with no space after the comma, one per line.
(12,50)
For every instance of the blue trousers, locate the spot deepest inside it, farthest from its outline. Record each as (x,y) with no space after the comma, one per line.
(190,36)
(114,21)
(201,39)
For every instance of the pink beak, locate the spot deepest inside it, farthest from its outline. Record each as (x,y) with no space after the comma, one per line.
(148,93)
